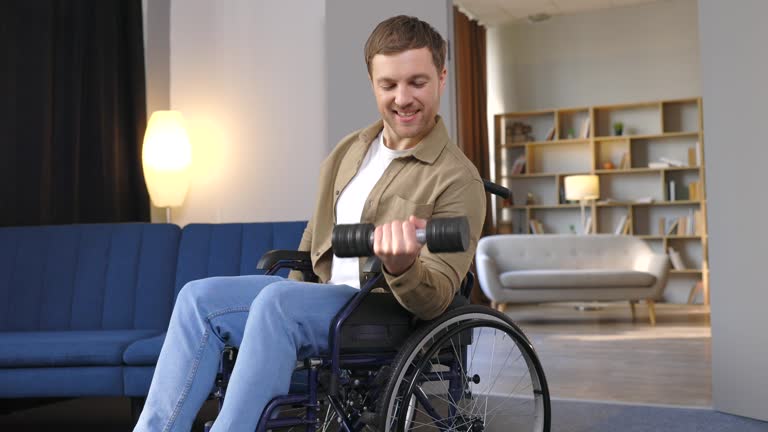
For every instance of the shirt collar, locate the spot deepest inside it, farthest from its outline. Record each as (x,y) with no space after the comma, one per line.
(426,151)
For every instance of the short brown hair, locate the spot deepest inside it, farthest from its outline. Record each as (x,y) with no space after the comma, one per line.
(402,33)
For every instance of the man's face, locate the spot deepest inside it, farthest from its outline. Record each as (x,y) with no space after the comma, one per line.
(407,87)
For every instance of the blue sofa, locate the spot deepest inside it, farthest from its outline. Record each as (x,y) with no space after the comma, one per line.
(84,308)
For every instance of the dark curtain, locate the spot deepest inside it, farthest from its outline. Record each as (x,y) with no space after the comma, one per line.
(72,112)
(471,110)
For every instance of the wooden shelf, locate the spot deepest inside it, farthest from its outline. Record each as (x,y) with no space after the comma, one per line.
(656,130)
(647,136)
(685,271)
(644,170)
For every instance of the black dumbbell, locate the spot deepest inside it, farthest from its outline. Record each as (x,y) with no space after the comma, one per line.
(441,235)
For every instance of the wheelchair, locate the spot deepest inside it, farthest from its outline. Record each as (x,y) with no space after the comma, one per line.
(469,370)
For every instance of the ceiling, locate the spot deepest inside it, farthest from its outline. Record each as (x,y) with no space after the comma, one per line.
(495,12)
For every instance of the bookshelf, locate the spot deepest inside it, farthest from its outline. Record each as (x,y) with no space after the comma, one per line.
(651,174)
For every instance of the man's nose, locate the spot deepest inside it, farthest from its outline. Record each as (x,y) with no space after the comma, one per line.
(403,96)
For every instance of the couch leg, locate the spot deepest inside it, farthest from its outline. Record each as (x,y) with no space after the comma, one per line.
(501,307)
(632,306)
(137,405)
(651,311)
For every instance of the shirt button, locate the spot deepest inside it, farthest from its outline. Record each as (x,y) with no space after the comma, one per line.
(398,284)
(317,253)
(337,192)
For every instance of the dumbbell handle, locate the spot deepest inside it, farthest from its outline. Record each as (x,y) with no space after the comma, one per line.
(441,235)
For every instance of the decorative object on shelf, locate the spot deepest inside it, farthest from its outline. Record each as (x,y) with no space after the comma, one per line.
(519,132)
(608,165)
(572,229)
(529,199)
(571,134)
(618,128)
(583,188)
(166,158)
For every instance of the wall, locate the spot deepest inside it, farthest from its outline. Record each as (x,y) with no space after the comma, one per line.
(350,103)
(635,53)
(249,78)
(157,63)
(734,70)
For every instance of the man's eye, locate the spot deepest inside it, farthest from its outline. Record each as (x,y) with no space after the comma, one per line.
(388,87)
(419,84)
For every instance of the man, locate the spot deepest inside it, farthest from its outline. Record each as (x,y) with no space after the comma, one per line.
(396,174)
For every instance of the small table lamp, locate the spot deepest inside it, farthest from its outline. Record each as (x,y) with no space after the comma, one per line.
(583,188)
(166,158)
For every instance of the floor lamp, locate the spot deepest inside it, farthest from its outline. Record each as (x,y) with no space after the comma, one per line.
(583,188)
(166,158)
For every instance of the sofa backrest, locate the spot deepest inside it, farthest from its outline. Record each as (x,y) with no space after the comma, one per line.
(87,277)
(231,249)
(563,251)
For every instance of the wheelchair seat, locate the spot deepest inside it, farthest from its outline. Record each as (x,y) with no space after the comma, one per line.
(381,324)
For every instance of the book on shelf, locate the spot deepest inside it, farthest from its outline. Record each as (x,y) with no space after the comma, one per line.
(518,166)
(675,259)
(644,200)
(671,162)
(624,163)
(623,226)
(536,226)
(658,165)
(550,134)
(692,157)
(587,228)
(682,226)
(694,191)
(584,132)
(672,226)
(671,196)
(662,225)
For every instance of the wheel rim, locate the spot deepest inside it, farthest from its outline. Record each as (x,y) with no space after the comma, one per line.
(510,392)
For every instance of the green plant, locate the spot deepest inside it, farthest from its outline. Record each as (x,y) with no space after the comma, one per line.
(618,126)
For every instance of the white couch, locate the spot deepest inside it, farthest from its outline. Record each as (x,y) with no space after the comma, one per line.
(540,268)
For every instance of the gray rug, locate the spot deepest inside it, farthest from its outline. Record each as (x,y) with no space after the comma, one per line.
(572,416)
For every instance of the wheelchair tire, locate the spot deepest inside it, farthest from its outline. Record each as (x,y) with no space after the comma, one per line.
(444,394)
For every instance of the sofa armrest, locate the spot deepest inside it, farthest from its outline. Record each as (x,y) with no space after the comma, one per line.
(488,277)
(657,265)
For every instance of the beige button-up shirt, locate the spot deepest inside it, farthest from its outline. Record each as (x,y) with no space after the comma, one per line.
(433,180)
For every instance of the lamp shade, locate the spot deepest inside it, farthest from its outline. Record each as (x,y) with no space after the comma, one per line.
(166,159)
(582,187)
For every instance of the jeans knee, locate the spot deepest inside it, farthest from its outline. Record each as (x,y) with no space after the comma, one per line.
(196,293)
(273,298)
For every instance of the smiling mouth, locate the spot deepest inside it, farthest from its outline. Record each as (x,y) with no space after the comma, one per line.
(405,115)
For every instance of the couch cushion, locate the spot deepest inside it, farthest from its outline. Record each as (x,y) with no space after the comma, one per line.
(231,249)
(66,348)
(565,279)
(144,352)
(87,277)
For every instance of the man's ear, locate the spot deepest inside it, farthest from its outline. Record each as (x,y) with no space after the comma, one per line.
(442,77)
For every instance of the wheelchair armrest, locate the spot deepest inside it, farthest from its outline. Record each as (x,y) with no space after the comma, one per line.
(290,256)
(277,259)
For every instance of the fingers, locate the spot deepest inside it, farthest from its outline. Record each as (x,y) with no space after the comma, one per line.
(417,222)
(396,238)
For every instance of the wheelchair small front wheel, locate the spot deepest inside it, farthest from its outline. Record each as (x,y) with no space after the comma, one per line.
(471,370)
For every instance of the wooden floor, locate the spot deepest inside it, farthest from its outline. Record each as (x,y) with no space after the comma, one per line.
(604,355)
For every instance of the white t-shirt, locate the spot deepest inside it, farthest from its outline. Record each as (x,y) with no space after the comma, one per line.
(349,207)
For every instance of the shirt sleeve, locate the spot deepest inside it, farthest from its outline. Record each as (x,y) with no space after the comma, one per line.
(429,285)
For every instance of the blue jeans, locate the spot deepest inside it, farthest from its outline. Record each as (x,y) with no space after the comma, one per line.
(273,321)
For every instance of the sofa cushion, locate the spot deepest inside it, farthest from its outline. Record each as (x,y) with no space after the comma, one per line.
(66,348)
(577,279)
(144,352)
(231,249)
(87,277)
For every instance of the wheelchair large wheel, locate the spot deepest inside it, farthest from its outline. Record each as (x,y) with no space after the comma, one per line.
(470,370)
